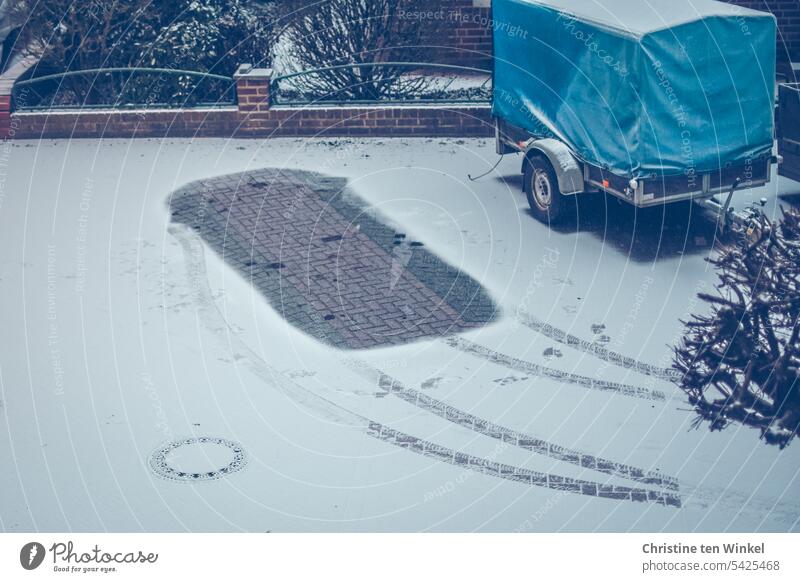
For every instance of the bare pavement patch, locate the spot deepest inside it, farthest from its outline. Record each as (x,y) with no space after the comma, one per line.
(333,269)
(327,263)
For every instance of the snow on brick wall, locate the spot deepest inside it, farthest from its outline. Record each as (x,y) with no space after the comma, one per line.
(5,116)
(253,117)
(404,121)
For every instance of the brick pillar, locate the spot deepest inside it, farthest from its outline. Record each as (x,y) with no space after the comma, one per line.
(7,81)
(252,88)
(5,115)
(6,84)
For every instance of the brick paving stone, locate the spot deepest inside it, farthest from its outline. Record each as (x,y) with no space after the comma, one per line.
(327,263)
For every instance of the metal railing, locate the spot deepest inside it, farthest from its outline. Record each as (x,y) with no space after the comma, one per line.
(183,89)
(406,87)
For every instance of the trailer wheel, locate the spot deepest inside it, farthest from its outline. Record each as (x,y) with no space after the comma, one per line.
(541,187)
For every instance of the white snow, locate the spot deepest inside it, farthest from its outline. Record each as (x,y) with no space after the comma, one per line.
(121,332)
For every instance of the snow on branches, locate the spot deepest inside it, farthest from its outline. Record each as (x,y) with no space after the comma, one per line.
(343,32)
(214,36)
(741,363)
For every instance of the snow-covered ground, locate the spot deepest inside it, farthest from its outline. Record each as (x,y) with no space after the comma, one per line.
(121,333)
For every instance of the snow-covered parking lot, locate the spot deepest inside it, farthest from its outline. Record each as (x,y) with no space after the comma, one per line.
(145,384)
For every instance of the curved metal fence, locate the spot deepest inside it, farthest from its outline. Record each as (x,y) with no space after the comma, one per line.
(388,82)
(391,83)
(124,88)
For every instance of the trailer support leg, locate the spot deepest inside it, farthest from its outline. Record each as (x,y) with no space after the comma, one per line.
(724,217)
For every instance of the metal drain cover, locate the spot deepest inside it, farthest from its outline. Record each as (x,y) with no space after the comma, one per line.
(198,459)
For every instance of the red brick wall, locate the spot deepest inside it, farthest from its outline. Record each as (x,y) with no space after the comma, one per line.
(403,121)
(254,117)
(471,36)
(467,31)
(7,80)
(5,115)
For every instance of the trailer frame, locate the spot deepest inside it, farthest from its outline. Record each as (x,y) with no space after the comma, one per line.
(575,177)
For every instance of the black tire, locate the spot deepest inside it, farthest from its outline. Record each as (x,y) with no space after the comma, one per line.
(547,202)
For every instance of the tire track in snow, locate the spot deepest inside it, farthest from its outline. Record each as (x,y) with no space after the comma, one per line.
(520,475)
(560,376)
(215,321)
(595,349)
(697,498)
(508,435)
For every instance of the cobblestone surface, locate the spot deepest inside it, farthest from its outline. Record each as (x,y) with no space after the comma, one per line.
(326,263)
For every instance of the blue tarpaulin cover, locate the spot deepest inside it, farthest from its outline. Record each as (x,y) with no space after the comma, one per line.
(662,87)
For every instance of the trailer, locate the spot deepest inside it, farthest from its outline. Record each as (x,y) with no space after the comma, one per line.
(789,130)
(651,102)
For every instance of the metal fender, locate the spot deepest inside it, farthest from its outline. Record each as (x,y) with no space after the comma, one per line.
(568,169)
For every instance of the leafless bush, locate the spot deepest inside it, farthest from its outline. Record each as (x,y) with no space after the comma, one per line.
(741,363)
(339,32)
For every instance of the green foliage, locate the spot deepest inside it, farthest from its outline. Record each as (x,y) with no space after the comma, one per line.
(199,35)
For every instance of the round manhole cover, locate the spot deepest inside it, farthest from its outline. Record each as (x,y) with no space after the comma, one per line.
(198,459)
